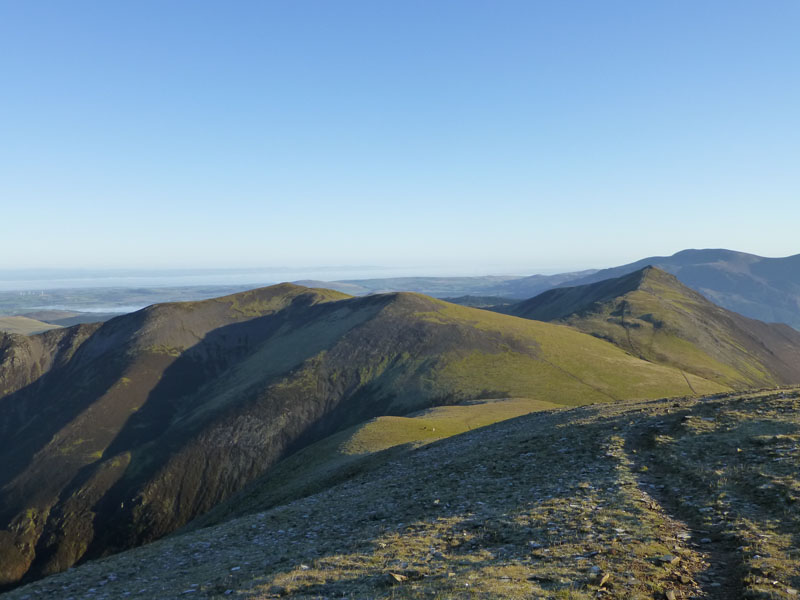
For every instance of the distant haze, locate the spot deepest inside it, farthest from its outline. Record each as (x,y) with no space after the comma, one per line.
(32,280)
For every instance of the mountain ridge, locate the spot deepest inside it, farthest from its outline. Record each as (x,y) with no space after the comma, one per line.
(763,288)
(651,314)
(164,413)
(767,289)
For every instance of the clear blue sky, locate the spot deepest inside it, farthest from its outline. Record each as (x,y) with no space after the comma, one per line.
(485,135)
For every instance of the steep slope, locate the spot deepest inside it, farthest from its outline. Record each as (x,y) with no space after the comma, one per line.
(654,316)
(762,288)
(679,498)
(363,447)
(114,434)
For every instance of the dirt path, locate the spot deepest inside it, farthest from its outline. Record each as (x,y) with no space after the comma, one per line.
(716,564)
(689,383)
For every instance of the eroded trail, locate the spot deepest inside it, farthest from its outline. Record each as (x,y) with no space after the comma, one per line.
(711,564)
(728,471)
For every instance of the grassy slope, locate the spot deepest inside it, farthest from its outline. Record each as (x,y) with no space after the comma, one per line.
(67,318)
(625,500)
(652,315)
(24,325)
(761,288)
(164,413)
(567,367)
(360,448)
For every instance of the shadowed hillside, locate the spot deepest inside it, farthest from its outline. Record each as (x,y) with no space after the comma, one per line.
(360,448)
(114,434)
(680,498)
(654,316)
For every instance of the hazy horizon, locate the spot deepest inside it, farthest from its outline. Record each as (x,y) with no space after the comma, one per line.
(43,279)
(36,279)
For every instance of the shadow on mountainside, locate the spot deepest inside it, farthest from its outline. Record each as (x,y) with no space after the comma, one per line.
(222,413)
(74,393)
(35,464)
(634,531)
(538,515)
(218,414)
(97,513)
(601,501)
(74,390)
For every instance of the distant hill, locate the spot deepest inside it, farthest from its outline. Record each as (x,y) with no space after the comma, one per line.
(453,287)
(654,316)
(481,301)
(24,325)
(762,288)
(66,318)
(767,289)
(438,287)
(114,434)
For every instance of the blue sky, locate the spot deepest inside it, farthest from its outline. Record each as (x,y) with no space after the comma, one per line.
(496,136)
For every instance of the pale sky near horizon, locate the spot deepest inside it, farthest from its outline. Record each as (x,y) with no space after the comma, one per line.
(504,134)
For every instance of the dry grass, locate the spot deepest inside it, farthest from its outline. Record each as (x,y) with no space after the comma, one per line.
(24,325)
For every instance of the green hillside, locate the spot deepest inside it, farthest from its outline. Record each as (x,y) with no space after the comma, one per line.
(115,434)
(756,286)
(361,448)
(650,314)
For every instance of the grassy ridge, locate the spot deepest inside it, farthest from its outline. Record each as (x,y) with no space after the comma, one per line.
(563,366)
(650,314)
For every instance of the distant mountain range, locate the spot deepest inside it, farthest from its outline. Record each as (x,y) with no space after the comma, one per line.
(444,287)
(767,289)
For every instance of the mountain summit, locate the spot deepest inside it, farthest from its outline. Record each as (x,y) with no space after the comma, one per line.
(652,315)
(762,288)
